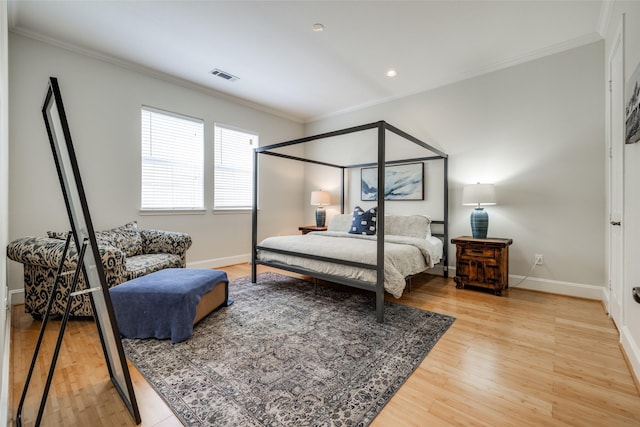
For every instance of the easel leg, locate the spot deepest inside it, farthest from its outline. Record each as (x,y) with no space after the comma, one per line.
(63,326)
(45,320)
(56,352)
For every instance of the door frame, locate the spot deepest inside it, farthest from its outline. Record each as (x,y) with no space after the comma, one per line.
(5,308)
(615,164)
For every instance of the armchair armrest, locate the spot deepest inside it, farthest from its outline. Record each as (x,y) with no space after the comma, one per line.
(161,241)
(46,252)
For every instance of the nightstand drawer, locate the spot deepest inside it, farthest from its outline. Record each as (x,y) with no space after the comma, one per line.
(478,251)
(491,262)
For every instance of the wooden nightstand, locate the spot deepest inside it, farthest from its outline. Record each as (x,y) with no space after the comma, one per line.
(482,262)
(307,228)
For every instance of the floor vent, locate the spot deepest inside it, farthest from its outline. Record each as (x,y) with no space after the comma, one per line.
(224,75)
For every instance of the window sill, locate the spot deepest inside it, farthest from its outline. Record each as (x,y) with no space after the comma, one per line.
(172,212)
(219,211)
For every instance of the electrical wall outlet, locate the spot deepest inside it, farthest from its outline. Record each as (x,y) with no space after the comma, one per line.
(539,259)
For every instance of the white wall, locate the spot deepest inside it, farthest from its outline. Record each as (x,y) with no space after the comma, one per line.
(103,101)
(536,130)
(630,329)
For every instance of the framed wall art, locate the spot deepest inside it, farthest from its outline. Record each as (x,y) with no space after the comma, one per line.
(402,182)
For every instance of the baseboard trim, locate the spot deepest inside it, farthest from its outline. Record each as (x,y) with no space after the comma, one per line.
(5,416)
(219,262)
(578,290)
(16,296)
(572,289)
(605,300)
(632,352)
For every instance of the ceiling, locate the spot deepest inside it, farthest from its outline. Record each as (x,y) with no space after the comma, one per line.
(285,67)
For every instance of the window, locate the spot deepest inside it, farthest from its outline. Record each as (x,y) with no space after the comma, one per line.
(233,175)
(172,161)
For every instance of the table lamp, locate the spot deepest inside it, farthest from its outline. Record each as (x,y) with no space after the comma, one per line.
(320,198)
(479,195)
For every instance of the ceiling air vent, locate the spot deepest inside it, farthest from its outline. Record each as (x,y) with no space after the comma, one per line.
(224,75)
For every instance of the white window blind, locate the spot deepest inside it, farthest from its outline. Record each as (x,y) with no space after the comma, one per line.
(233,175)
(172,161)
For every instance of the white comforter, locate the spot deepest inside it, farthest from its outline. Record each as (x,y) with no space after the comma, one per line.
(403,255)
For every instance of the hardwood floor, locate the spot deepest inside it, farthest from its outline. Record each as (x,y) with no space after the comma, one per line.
(522,359)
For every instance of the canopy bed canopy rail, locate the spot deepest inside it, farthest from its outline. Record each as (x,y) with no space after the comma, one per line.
(381,163)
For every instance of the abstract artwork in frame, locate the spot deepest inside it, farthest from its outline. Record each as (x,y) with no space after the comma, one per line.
(401,182)
(632,108)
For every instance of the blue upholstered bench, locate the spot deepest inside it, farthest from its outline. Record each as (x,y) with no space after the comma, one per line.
(167,303)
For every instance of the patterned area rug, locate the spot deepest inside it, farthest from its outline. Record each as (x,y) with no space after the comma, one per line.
(286,355)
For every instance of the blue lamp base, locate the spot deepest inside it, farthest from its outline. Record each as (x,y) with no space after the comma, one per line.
(479,223)
(321,216)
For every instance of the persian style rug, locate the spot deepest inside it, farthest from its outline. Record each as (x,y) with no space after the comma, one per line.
(285,354)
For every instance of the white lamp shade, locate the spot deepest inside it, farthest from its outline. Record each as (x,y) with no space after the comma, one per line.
(320,198)
(479,194)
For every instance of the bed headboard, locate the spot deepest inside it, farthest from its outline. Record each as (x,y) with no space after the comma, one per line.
(399,225)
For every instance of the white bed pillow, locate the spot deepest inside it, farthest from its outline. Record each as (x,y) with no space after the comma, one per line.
(400,225)
(418,226)
(340,222)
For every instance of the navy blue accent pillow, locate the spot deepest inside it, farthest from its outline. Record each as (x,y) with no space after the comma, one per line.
(363,222)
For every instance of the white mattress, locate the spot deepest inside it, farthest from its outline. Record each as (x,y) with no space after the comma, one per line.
(404,256)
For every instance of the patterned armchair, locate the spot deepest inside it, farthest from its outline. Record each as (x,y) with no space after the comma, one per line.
(126,253)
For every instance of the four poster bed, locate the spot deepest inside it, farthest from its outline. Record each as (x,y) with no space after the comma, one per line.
(367,249)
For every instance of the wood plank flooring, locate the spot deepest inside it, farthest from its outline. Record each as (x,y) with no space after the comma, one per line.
(523,359)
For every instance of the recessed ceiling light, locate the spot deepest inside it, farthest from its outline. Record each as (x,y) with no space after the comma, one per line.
(391,73)
(317,27)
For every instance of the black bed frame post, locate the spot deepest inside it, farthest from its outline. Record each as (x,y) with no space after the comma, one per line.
(445,247)
(380,224)
(254,218)
(343,171)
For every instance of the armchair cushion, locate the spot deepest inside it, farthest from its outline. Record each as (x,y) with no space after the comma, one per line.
(126,238)
(141,265)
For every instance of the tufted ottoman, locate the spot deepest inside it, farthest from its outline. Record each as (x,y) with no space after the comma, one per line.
(167,303)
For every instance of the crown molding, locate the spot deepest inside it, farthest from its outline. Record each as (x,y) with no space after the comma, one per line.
(12,13)
(141,69)
(605,17)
